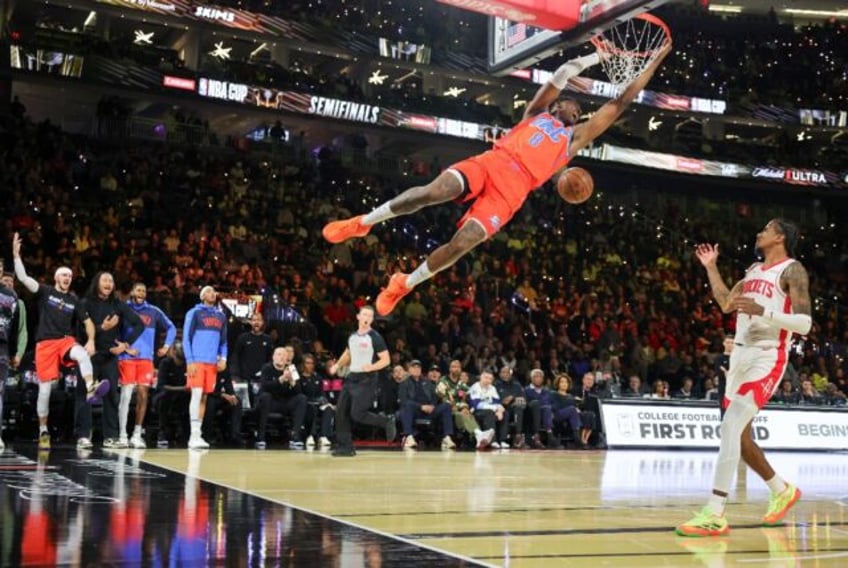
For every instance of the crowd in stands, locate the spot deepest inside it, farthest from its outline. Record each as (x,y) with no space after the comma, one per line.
(605,290)
(739,58)
(743,60)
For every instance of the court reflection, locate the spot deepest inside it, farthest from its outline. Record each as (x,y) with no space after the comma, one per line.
(108,509)
(773,547)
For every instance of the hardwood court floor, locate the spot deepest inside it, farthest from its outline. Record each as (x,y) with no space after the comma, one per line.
(615,508)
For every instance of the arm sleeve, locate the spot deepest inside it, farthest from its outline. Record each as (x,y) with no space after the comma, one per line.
(796,323)
(131,319)
(188,333)
(222,346)
(573,68)
(170,328)
(20,272)
(23,335)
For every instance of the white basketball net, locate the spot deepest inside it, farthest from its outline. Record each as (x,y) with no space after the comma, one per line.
(628,48)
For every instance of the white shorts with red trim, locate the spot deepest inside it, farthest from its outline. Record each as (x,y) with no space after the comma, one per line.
(755,370)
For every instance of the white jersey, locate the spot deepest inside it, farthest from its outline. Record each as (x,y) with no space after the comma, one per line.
(762,283)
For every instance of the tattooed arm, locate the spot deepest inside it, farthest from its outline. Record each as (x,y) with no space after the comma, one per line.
(794,282)
(708,255)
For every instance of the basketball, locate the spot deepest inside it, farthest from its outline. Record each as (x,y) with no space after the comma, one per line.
(575,185)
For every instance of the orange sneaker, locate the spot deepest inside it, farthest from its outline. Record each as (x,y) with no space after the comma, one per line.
(780,504)
(392,294)
(340,231)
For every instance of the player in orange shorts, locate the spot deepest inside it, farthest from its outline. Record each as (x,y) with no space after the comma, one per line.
(136,370)
(59,309)
(205,347)
(498,181)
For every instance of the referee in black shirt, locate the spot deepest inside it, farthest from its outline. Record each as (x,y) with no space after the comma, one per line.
(366,354)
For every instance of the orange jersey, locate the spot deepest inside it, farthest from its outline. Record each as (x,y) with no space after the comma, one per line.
(541,144)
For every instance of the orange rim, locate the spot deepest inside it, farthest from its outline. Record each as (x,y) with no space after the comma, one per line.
(599,41)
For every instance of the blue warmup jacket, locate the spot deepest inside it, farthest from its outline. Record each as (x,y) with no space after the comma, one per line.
(154,320)
(205,334)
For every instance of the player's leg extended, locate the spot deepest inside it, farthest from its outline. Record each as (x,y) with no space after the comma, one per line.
(464,240)
(710,520)
(782,494)
(446,187)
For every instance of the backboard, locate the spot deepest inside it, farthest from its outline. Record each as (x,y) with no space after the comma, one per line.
(516,45)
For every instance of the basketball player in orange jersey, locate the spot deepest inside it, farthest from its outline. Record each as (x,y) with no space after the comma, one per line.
(498,181)
(772,302)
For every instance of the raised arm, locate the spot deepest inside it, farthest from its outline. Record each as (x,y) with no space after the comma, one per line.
(549,92)
(586,132)
(708,255)
(20,272)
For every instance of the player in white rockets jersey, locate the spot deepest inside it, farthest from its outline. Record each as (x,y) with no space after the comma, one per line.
(772,302)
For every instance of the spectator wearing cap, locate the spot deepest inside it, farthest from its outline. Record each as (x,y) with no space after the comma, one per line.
(418,399)
(453,390)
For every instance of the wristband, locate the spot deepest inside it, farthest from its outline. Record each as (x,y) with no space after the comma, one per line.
(573,68)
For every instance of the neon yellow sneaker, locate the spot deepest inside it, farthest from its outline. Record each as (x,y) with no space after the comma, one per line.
(779,505)
(704,523)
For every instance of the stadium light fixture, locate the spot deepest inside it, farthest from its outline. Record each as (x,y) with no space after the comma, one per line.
(142,38)
(454,92)
(840,14)
(725,8)
(376,78)
(220,51)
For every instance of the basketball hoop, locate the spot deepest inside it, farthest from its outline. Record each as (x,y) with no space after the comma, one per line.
(628,48)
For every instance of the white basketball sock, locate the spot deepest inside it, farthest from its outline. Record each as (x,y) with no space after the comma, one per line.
(776,484)
(419,275)
(378,215)
(124,409)
(717,503)
(42,404)
(194,405)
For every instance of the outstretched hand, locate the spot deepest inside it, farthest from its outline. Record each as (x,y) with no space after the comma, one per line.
(16,246)
(707,254)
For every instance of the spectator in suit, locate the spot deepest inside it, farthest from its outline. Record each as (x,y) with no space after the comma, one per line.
(418,399)
(172,398)
(634,388)
(319,411)
(513,399)
(225,406)
(281,392)
(540,405)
